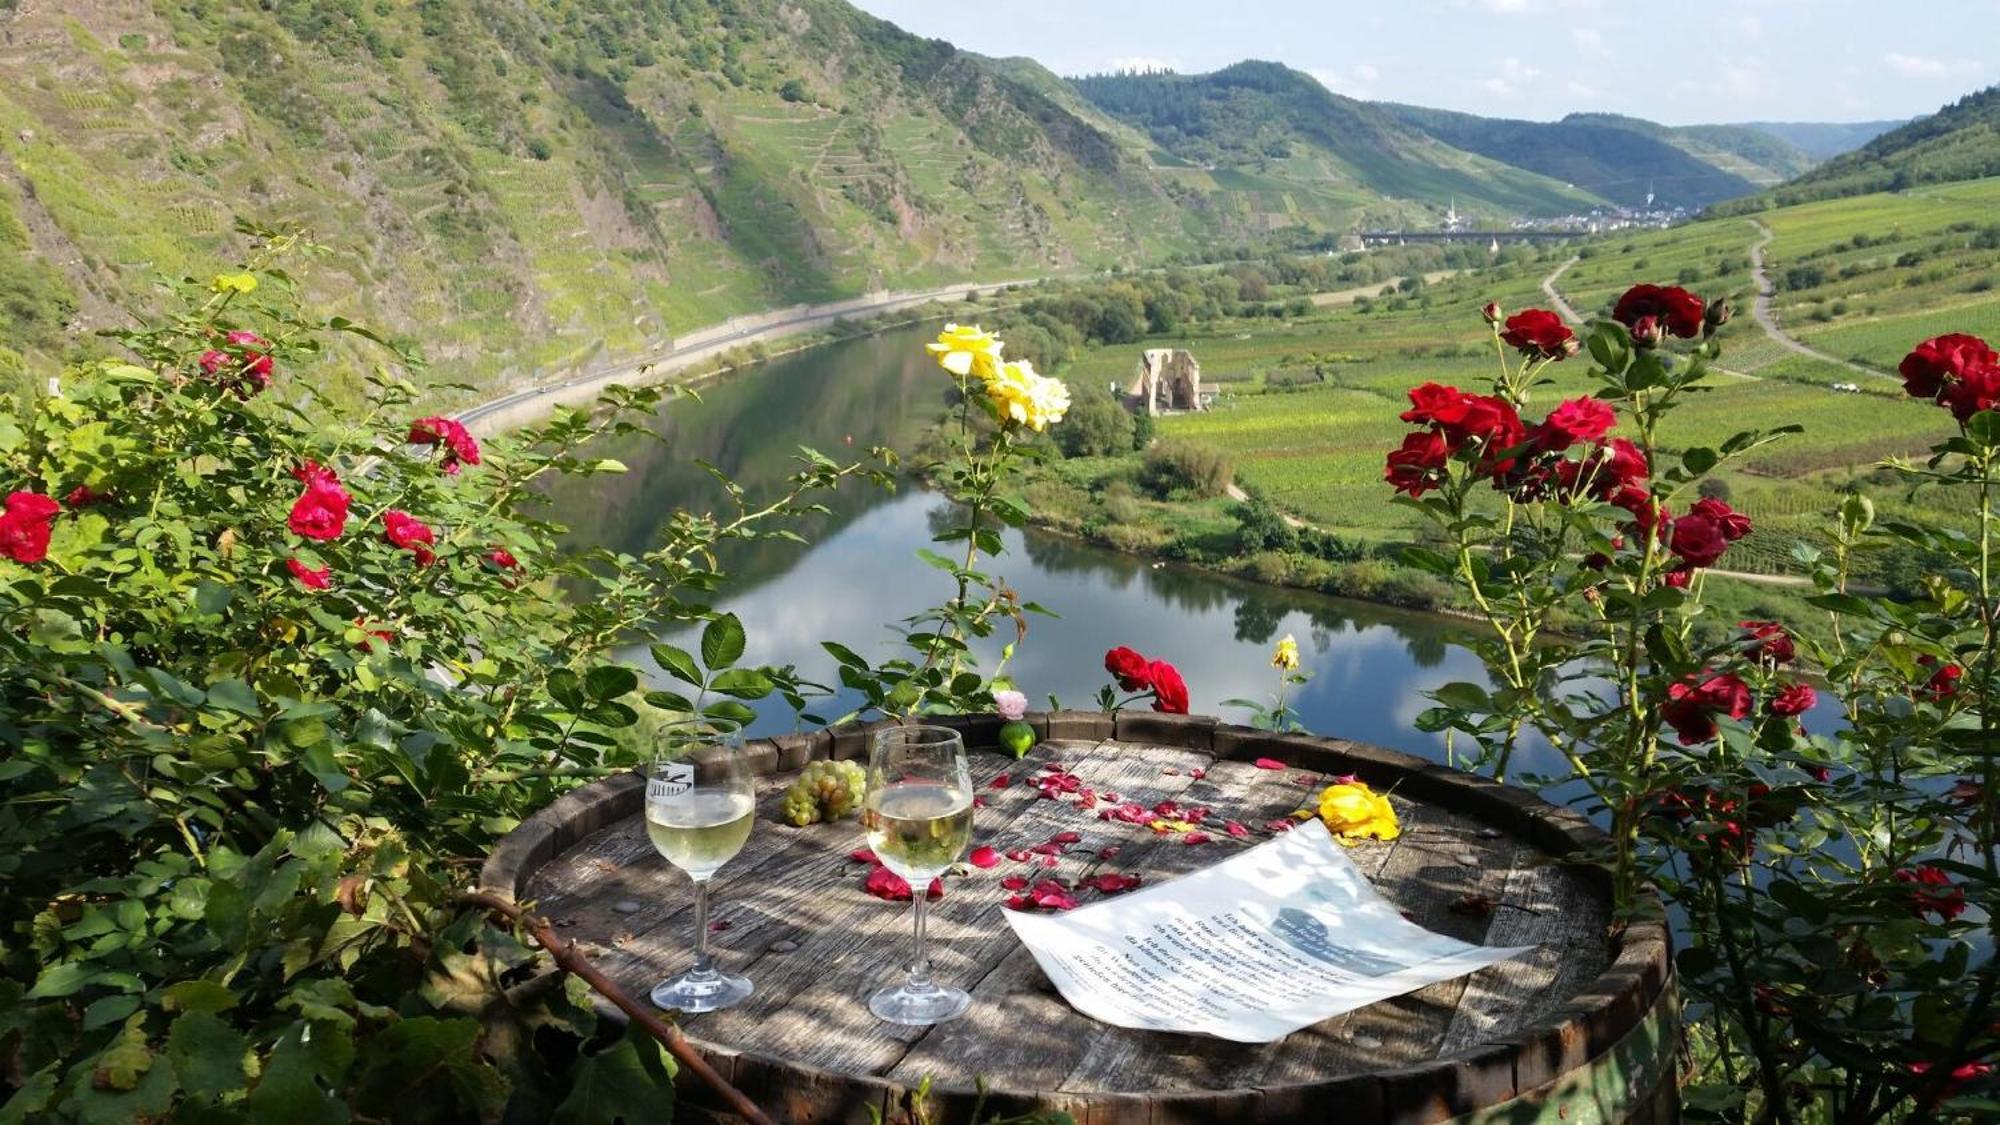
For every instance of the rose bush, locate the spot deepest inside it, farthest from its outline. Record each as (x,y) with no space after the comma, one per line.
(273,676)
(1838,894)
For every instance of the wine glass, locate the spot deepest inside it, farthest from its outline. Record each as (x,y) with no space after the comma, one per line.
(918,814)
(700,801)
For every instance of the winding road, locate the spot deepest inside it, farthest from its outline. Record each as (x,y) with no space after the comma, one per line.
(1761,309)
(1555,296)
(525,405)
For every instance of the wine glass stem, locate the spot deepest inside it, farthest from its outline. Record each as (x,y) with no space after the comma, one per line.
(703,966)
(920,969)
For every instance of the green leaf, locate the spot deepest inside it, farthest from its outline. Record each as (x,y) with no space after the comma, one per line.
(677,663)
(62,980)
(231,694)
(566,688)
(197,996)
(1610,345)
(290,1089)
(1699,460)
(207,1054)
(1464,697)
(325,768)
(609,681)
(742,683)
(722,642)
(669,701)
(848,657)
(630,1082)
(1984,428)
(427,1061)
(731,710)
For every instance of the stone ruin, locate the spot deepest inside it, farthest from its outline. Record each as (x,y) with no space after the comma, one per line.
(1168,379)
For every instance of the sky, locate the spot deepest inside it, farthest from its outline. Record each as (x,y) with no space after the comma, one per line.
(1679,63)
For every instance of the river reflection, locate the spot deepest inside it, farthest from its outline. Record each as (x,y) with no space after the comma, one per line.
(1370,664)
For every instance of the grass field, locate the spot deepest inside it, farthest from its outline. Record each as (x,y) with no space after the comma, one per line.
(1316,450)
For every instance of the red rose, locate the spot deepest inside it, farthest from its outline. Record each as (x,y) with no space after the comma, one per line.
(1488,419)
(1415,466)
(502,558)
(1946,904)
(1677,310)
(409,533)
(321,512)
(1978,389)
(1772,644)
(25,526)
(1733,524)
(312,472)
(1575,420)
(459,447)
(308,577)
(1697,539)
(1435,404)
(1942,359)
(242,359)
(1960,1075)
(1539,333)
(1727,694)
(1131,670)
(1679,577)
(1943,683)
(1647,333)
(1691,706)
(83,496)
(373,632)
(1796,699)
(1170,692)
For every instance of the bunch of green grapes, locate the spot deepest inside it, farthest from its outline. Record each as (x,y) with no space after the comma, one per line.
(824,791)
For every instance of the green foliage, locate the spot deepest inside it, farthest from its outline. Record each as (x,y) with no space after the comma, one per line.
(1961,141)
(1181,466)
(1097,425)
(238,810)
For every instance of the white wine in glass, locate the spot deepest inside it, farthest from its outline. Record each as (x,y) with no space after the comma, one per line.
(918,814)
(700,802)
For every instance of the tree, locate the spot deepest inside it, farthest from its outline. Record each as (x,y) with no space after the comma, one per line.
(1096,426)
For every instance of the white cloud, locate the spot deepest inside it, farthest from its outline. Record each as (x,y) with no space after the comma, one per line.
(1505,7)
(1355,82)
(1144,62)
(1589,40)
(1580,90)
(1928,67)
(1366,73)
(1514,74)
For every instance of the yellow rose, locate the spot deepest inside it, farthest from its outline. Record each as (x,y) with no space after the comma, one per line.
(966,349)
(234,283)
(1025,398)
(1287,654)
(1352,811)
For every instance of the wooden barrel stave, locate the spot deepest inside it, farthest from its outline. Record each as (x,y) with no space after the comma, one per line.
(1475,1074)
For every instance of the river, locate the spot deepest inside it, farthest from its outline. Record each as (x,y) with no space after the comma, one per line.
(1370,664)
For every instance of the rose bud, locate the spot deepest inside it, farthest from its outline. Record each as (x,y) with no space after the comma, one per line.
(1491,312)
(1719,312)
(1571,346)
(1647,332)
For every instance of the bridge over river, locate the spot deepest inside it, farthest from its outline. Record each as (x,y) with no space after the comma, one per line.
(1393,237)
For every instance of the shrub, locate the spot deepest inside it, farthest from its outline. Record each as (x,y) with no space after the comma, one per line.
(1096,426)
(1181,466)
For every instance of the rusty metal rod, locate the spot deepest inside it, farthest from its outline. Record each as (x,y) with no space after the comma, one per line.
(571,959)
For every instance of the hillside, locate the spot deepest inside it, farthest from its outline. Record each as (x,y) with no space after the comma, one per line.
(1612,161)
(1754,155)
(1823,140)
(1959,142)
(540,184)
(1281,127)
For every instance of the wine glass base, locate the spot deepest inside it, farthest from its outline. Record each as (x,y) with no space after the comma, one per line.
(919,1006)
(710,992)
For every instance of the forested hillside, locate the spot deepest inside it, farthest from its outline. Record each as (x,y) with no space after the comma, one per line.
(1959,142)
(541,183)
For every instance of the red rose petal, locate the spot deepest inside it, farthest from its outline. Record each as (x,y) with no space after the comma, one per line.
(1269,764)
(1048,861)
(1109,853)
(1018,902)
(978,802)
(1018,855)
(1014,883)
(1066,838)
(1196,838)
(1279,825)
(983,856)
(1001,782)
(719,925)
(1112,883)
(862,855)
(936,890)
(1197,774)
(1046,849)
(1235,828)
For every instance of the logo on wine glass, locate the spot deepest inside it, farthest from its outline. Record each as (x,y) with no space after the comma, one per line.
(671,781)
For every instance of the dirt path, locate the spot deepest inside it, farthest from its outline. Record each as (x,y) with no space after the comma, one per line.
(1761,309)
(1349,296)
(1555,296)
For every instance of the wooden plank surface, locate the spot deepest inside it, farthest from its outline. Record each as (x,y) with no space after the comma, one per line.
(814,944)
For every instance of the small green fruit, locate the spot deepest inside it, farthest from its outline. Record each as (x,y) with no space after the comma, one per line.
(1017,737)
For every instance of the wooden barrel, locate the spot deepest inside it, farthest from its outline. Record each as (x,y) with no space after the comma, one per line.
(1582,1030)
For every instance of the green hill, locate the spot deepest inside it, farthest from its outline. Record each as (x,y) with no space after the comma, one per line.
(541,184)
(1823,140)
(1755,156)
(1615,162)
(1265,125)
(1959,142)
